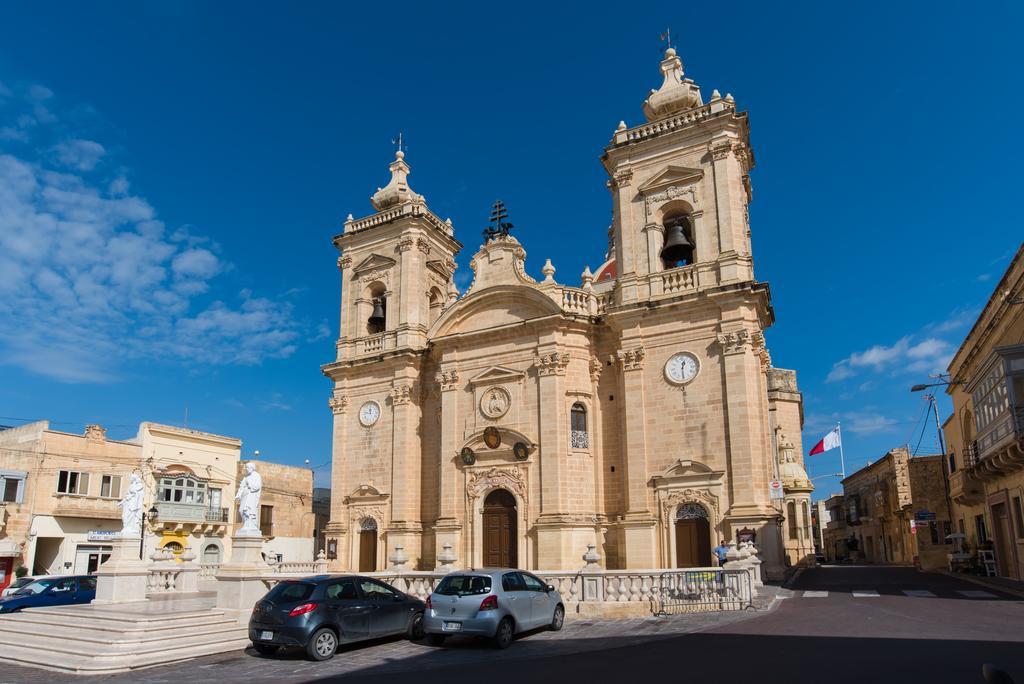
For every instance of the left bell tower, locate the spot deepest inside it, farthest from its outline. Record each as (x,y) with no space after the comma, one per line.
(397,267)
(396,270)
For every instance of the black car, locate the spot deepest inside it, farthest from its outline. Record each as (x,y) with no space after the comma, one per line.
(318,613)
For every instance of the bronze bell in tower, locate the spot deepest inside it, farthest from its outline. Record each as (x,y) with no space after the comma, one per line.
(677,246)
(376,318)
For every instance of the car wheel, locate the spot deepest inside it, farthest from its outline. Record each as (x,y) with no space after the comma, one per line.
(558,619)
(415,631)
(435,639)
(322,644)
(266,649)
(503,637)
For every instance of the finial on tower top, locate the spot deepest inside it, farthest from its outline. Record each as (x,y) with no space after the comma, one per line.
(676,93)
(498,227)
(666,38)
(397,191)
(400,146)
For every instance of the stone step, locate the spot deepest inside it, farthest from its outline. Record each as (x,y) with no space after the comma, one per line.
(91,617)
(91,664)
(10,629)
(57,648)
(123,626)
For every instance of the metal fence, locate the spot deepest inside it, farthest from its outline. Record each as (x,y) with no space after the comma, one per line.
(704,590)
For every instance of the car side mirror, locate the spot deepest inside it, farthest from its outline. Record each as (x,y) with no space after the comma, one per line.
(398,598)
(551,588)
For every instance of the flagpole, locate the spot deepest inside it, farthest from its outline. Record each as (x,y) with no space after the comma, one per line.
(842,461)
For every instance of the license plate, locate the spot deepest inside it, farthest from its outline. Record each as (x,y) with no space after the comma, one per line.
(267,635)
(452,626)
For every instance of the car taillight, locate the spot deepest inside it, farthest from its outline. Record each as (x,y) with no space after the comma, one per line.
(489,603)
(303,609)
(428,606)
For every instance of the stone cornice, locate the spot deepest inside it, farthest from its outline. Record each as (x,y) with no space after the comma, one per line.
(552,363)
(631,359)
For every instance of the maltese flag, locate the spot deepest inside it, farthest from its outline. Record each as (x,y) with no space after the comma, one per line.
(829,441)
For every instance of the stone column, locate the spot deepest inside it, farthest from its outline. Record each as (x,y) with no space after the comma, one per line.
(404,528)
(447,529)
(749,457)
(627,247)
(552,537)
(337,527)
(638,525)
(239,583)
(124,577)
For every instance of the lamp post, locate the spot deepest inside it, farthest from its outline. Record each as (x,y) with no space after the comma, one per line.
(153,513)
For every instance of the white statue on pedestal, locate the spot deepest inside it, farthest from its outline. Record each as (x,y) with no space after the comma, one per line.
(248,499)
(131,508)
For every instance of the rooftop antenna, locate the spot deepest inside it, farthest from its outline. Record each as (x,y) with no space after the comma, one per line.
(186,415)
(399,143)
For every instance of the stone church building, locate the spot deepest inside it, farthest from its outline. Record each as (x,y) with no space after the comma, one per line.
(520,421)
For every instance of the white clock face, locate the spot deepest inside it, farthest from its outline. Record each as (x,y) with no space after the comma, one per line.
(369,413)
(682,368)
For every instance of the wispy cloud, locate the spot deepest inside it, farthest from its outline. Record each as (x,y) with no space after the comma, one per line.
(867,422)
(91,277)
(906,355)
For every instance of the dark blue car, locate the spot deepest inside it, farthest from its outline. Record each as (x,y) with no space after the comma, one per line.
(51,591)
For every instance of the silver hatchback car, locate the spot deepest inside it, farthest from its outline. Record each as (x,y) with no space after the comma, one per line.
(493,603)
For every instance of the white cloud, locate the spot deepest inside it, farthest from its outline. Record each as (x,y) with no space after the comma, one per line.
(80,155)
(929,355)
(91,278)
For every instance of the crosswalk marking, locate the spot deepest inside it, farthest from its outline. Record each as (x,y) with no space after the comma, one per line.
(976,593)
(920,593)
(815,594)
(865,593)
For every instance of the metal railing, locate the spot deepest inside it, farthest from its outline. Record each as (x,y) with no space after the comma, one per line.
(703,590)
(217,515)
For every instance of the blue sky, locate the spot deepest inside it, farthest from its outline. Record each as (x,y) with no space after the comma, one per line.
(171,175)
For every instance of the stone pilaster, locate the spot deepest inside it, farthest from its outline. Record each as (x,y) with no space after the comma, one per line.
(638,528)
(405,470)
(447,529)
(337,528)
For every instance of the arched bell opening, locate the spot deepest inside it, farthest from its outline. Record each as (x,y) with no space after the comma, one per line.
(435,304)
(376,322)
(679,246)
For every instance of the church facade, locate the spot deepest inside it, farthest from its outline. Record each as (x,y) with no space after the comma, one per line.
(520,421)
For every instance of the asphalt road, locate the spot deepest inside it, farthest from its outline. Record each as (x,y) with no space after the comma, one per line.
(868,625)
(918,628)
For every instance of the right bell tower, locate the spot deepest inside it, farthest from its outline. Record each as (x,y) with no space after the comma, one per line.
(680,187)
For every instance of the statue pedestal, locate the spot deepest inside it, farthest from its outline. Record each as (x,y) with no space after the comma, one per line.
(239,583)
(123,578)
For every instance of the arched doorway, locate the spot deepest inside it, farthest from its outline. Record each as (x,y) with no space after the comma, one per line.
(368,545)
(693,536)
(500,530)
(211,554)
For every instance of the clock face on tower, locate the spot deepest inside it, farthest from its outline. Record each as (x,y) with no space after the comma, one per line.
(681,368)
(369,413)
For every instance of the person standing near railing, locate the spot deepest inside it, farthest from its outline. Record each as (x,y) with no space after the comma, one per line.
(721,552)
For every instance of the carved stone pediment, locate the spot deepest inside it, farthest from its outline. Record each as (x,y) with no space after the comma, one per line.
(689,473)
(445,269)
(672,175)
(374,262)
(496,374)
(366,494)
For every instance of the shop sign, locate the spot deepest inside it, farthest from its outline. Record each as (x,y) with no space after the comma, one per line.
(101,535)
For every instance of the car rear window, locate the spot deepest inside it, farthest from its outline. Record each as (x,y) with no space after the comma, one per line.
(464,585)
(291,591)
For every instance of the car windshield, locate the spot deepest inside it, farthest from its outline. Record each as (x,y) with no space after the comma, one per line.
(284,592)
(36,587)
(464,585)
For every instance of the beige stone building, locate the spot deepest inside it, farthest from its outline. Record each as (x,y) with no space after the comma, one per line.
(61,490)
(522,420)
(985,433)
(896,509)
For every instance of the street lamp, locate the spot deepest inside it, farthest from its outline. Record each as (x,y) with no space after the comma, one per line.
(153,513)
(943,381)
(818,477)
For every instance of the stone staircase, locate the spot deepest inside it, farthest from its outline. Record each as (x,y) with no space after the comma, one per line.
(117,638)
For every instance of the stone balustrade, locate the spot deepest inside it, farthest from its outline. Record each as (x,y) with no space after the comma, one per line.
(208,571)
(164,579)
(681,279)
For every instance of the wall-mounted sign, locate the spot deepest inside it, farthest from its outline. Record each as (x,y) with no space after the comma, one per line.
(925,514)
(101,535)
(775,489)
(332,549)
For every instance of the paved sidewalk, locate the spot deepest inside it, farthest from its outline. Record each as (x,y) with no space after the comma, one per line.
(399,655)
(1003,584)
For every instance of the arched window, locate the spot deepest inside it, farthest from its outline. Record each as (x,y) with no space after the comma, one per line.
(174,547)
(794,526)
(435,303)
(678,249)
(579,438)
(211,554)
